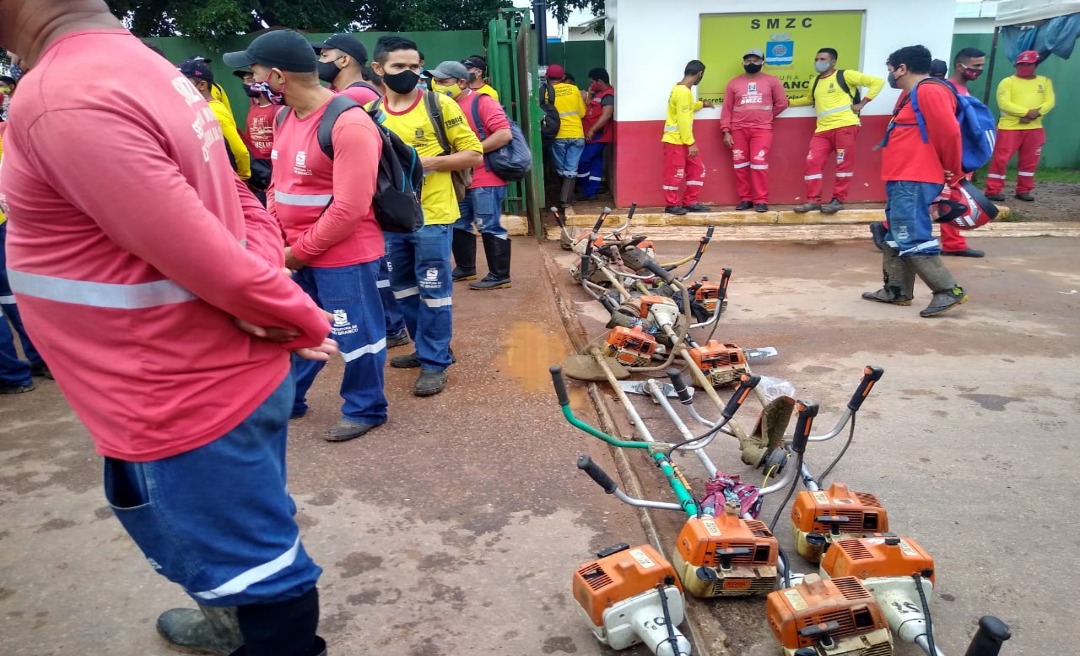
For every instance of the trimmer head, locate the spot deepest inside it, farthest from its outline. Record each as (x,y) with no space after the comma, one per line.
(586,367)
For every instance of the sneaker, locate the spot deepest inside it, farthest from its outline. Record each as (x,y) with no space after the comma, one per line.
(490,281)
(832,207)
(346,430)
(297,414)
(1025,196)
(412,360)
(400,338)
(967,252)
(675,209)
(997,198)
(17,389)
(430,382)
(761,207)
(810,206)
(743,206)
(459,274)
(697,207)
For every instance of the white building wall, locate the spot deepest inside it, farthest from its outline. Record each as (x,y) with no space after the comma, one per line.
(654,40)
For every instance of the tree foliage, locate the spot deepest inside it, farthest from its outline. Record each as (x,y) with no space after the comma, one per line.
(562,8)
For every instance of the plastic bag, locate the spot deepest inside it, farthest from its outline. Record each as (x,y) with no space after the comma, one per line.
(773,388)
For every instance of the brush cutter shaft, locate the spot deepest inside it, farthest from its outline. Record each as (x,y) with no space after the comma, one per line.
(657,394)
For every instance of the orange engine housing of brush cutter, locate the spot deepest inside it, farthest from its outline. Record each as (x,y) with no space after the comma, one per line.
(721,363)
(619,576)
(741,552)
(648,301)
(878,556)
(863,511)
(632,347)
(838,608)
(708,294)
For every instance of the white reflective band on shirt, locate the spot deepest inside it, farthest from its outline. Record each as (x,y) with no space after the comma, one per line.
(760,167)
(7,300)
(995,175)
(438,302)
(834,110)
(1024,173)
(848,174)
(742,165)
(816,176)
(249,578)
(407,292)
(382,284)
(671,128)
(365,350)
(573,113)
(99,294)
(302,200)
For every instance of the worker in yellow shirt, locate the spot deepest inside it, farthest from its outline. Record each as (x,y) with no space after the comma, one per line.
(682,164)
(836,98)
(1023,99)
(420,271)
(477,68)
(570,141)
(198,73)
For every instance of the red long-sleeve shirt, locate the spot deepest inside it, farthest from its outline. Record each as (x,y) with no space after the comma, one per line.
(906,157)
(752,102)
(133,246)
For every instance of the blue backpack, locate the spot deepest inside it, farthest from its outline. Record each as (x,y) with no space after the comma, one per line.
(977,130)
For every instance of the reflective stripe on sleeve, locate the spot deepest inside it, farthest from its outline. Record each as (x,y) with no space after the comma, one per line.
(99,294)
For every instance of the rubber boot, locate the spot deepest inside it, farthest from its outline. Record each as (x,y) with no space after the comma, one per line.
(899,279)
(947,294)
(463,246)
(317,649)
(205,630)
(566,193)
(284,628)
(497,251)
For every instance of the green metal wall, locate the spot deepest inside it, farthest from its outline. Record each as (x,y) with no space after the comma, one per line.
(1062,149)
(578,58)
(436,46)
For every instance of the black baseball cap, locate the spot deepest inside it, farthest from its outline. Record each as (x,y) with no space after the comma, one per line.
(197,69)
(283,49)
(346,43)
(475,62)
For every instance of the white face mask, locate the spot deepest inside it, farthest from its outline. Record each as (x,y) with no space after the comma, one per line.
(821,66)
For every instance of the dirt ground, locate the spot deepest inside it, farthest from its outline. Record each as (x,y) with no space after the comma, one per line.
(1054,201)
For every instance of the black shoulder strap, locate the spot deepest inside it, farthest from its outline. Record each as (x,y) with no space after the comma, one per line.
(547,94)
(431,101)
(338,105)
(842,82)
(476,116)
(366,85)
(280,118)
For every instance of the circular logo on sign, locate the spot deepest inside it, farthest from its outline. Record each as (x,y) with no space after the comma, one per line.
(779,49)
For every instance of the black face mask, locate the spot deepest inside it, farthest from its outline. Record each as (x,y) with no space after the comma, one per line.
(328,71)
(403,82)
(751,68)
(252,93)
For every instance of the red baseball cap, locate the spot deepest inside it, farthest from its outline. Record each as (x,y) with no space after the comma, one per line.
(555,72)
(1028,57)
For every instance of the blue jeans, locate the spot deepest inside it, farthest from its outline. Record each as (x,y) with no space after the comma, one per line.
(9,309)
(483,205)
(218,520)
(395,322)
(351,294)
(591,169)
(567,155)
(13,371)
(907,207)
(420,278)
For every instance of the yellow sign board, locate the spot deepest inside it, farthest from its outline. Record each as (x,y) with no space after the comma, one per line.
(789,41)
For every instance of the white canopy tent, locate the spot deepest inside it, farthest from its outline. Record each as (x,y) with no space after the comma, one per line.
(1021,12)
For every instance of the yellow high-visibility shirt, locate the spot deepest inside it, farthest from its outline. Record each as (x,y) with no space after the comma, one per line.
(233,142)
(1016,96)
(219,94)
(416,128)
(833,104)
(488,90)
(571,108)
(679,124)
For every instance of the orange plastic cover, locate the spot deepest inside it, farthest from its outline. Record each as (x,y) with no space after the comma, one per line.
(715,354)
(700,538)
(844,601)
(648,301)
(602,583)
(877,557)
(864,512)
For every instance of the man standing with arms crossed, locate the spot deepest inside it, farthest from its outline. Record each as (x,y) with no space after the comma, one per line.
(914,172)
(682,165)
(751,102)
(835,98)
(1023,99)
(420,262)
(125,216)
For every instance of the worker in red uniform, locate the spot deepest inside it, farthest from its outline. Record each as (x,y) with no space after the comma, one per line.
(599,125)
(153,278)
(914,172)
(751,102)
(837,100)
(682,163)
(1023,99)
(967,67)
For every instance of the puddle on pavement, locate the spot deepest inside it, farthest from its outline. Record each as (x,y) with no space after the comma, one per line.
(530,350)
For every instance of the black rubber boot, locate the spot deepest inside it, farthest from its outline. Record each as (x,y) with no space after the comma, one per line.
(463,247)
(202,630)
(947,294)
(285,628)
(497,251)
(898,277)
(566,193)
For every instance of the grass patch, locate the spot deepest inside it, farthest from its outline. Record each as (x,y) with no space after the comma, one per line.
(1042,174)
(1015,216)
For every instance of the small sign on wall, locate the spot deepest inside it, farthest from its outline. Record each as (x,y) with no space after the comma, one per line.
(789,40)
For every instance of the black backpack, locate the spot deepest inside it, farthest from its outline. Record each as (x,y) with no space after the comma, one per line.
(550,121)
(514,160)
(856,98)
(396,202)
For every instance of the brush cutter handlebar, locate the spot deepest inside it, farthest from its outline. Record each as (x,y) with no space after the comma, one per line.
(746,385)
(871,375)
(660,272)
(560,385)
(989,638)
(803,424)
(586,465)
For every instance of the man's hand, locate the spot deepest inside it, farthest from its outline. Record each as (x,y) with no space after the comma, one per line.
(291,261)
(270,334)
(320,353)
(707,103)
(729,140)
(693,151)
(1033,114)
(1025,120)
(590,135)
(857,107)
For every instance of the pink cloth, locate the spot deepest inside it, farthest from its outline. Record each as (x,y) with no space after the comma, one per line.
(752,102)
(260,130)
(127,252)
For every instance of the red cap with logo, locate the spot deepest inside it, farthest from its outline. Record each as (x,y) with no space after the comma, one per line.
(555,72)
(1028,57)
